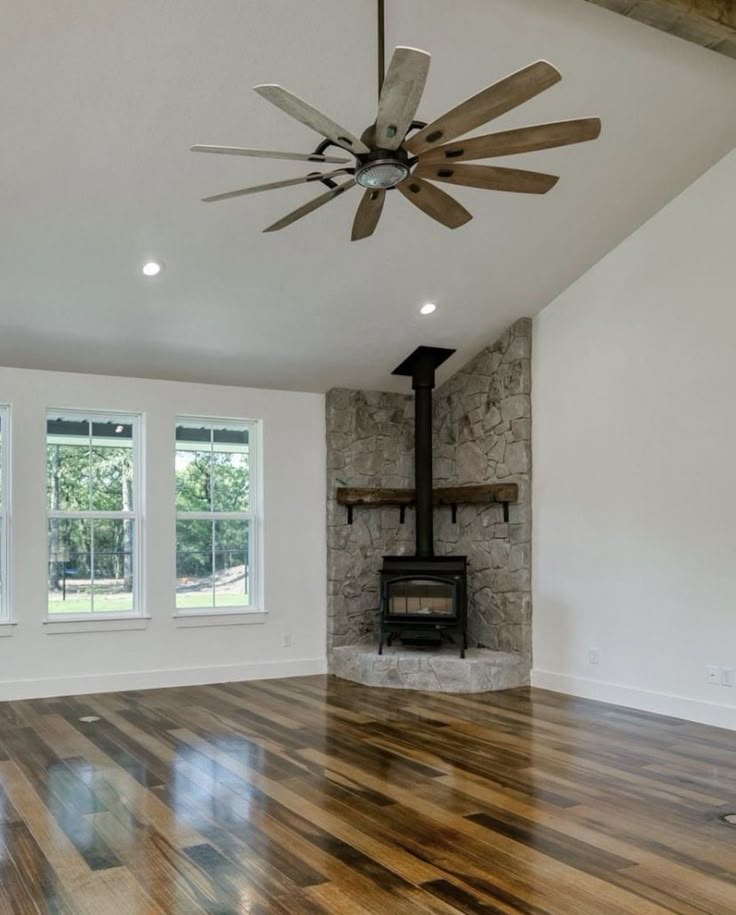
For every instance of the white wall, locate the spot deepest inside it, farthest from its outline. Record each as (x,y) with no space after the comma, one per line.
(634,404)
(34,663)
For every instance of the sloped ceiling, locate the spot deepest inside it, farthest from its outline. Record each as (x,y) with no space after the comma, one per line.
(100,102)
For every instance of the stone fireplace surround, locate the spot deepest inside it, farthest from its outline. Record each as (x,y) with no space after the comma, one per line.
(482,434)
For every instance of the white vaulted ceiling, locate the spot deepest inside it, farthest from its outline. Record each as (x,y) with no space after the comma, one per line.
(99,103)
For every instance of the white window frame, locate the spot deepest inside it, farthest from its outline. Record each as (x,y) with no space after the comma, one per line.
(6,609)
(91,619)
(253,610)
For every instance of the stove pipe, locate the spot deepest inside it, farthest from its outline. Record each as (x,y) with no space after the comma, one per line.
(421,366)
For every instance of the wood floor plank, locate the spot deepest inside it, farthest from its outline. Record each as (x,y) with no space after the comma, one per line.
(92,892)
(408,866)
(312,795)
(475,857)
(38,878)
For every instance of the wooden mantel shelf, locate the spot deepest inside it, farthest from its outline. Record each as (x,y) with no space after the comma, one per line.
(484,494)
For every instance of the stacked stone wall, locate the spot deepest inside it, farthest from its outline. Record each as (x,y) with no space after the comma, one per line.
(482,434)
(369,443)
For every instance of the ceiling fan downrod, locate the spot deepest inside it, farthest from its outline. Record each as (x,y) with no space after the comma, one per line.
(381,44)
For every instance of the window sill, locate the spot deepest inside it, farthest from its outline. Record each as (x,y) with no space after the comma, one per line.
(7,627)
(56,626)
(199,618)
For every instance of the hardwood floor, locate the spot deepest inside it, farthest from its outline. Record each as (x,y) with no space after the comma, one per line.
(314,795)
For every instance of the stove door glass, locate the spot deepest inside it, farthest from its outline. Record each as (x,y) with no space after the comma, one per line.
(420,597)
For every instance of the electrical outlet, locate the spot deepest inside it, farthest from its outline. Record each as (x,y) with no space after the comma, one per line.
(727,676)
(594,656)
(713,674)
(286,641)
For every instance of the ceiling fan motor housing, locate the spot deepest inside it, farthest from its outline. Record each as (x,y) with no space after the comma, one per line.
(382,169)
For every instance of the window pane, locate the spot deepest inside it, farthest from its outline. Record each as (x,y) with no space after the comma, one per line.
(70,566)
(193,564)
(193,470)
(230,474)
(231,563)
(112,466)
(2,469)
(113,566)
(67,464)
(2,570)
(90,469)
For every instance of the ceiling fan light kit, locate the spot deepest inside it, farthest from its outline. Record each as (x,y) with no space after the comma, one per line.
(382,174)
(397,151)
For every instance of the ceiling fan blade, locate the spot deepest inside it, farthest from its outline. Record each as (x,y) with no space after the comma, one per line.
(511,142)
(402,91)
(289,182)
(489,177)
(488,104)
(310,207)
(434,202)
(265,153)
(311,117)
(368,214)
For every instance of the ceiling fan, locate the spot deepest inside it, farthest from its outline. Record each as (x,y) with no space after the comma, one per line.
(400,152)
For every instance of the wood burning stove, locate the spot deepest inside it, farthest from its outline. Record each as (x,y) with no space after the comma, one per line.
(423,597)
(422,600)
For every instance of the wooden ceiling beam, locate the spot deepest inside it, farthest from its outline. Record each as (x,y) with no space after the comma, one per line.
(709,23)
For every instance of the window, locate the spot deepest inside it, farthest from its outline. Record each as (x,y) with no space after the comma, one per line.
(4,539)
(215,521)
(93,497)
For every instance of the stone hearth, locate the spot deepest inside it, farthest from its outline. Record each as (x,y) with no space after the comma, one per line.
(437,670)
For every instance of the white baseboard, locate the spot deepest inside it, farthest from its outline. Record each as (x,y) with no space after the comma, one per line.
(46,687)
(713,713)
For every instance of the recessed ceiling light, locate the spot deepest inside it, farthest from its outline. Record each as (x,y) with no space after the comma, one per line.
(151,269)
(427,309)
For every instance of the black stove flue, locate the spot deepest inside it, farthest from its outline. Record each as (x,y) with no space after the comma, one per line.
(423,596)
(420,367)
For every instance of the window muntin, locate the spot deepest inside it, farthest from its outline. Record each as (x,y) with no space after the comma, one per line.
(215,519)
(93,501)
(4,515)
